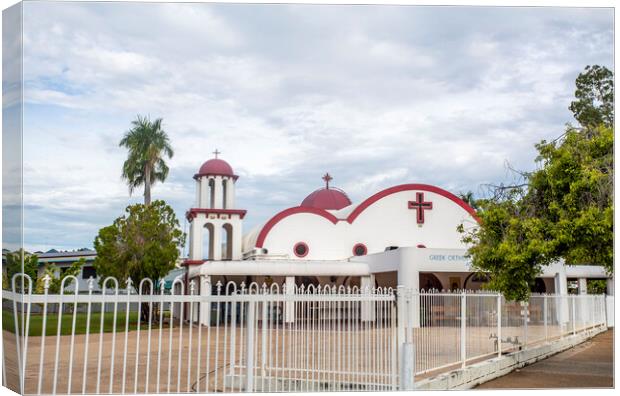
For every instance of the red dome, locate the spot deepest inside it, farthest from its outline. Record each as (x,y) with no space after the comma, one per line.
(216,166)
(327,198)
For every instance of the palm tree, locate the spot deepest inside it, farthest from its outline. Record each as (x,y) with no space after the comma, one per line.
(148,144)
(469,198)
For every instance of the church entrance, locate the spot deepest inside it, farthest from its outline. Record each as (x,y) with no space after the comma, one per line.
(429,281)
(306,281)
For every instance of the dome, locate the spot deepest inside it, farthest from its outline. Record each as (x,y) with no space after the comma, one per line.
(217,167)
(327,198)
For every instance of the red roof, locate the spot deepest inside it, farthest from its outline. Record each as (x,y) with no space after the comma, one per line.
(327,198)
(217,167)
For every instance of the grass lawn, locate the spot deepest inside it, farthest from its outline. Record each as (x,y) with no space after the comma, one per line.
(51,327)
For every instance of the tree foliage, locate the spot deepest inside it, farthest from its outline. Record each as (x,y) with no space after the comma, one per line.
(469,198)
(597,286)
(57,275)
(147,144)
(562,211)
(594,97)
(143,243)
(13,265)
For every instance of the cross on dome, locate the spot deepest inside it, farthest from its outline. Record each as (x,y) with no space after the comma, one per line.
(327,177)
(217,152)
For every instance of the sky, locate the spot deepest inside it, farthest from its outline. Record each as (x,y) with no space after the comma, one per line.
(375,95)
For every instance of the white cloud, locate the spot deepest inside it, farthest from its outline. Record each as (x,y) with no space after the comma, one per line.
(375,95)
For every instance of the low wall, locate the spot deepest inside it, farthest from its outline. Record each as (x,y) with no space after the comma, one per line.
(490,369)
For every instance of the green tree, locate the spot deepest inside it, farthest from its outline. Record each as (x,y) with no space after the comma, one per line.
(143,243)
(594,97)
(13,265)
(597,286)
(469,198)
(562,210)
(57,275)
(147,144)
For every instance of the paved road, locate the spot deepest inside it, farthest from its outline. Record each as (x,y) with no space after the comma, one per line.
(588,365)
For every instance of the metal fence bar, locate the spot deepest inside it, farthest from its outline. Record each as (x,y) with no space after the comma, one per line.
(463,329)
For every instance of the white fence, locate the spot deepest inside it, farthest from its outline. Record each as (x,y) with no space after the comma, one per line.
(260,338)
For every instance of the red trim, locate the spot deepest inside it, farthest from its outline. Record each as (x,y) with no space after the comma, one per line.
(193,262)
(199,175)
(358,245)
(194,211)
(301,244)
(288,212)
(408,187)
(361,207)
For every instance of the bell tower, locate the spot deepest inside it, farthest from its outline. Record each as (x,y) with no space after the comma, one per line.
(216,225)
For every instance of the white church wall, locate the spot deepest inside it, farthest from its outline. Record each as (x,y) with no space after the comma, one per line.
(386,222)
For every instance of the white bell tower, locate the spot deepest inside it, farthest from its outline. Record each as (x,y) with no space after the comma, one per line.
(216,226)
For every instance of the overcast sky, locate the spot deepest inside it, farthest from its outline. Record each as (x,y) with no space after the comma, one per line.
(376,95)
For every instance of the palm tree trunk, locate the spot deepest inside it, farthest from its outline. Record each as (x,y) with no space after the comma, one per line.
(147,186)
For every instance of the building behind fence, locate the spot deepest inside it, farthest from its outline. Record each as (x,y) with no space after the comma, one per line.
(266,338)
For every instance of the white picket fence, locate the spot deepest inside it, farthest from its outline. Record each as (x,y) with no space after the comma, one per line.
(260,338)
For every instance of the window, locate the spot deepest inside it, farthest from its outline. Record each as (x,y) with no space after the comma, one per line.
(359,249)
(301,249)
(87,272)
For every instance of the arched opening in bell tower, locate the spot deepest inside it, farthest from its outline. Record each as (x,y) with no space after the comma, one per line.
(211,193)
(224,193)
(207,242)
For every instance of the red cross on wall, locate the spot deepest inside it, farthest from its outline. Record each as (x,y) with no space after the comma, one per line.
(420,206)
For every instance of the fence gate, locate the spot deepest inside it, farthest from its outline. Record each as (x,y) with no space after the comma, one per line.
(318,339)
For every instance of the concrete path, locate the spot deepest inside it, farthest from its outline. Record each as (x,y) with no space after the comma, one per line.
(588,365)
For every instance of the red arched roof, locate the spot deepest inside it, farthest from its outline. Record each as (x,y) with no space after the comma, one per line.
(216,167)
(327,198)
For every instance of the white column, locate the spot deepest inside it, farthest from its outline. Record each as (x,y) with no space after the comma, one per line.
(561,288)
(197,193)
(205,307)
(583,286)
(237,236)
(583,302)
(609,302)
(289,306)
(610,286)
(218,204)
(409,277)
(217,241)
(368,308)
(230,194)
(195,239)
(204,192)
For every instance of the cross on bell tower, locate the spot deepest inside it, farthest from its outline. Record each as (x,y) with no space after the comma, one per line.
(420,206)
(217,152)
(327,177)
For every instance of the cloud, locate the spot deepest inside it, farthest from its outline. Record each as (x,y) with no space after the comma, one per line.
(375,95)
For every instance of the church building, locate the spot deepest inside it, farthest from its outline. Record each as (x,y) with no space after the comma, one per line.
(403,235)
